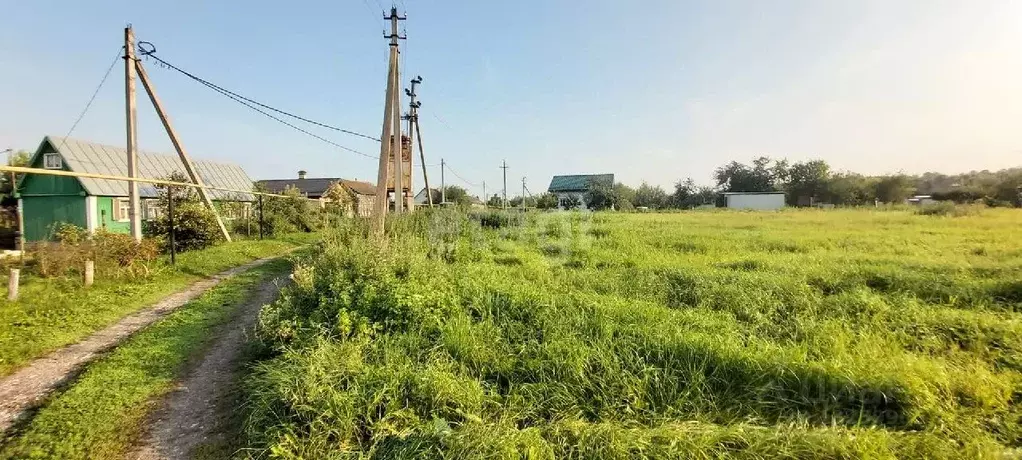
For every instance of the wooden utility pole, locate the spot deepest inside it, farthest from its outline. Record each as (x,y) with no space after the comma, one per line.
(387,144)
(503,165)
(193,174)
(413,120)
(443,185)
(131,117)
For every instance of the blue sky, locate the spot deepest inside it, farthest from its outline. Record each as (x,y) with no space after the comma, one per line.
(654,91)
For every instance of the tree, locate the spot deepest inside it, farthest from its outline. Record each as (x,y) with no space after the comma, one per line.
(807,179)
(195,226)
(850,189)
(19,158)
(457,195)
(517,202)
(683,193)
(625,197)
(895,188)
(600,196)
(496,202)
(650,196)
(546,201)
(339,199)
(760,177)
(1010,190)
(571,202)
(704,195)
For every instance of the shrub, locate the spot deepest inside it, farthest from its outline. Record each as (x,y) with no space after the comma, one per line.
(195,226)
(114,254)
(947,208)
(499,219)
(288,214)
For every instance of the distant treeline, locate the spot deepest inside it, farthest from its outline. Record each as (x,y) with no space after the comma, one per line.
(815,182)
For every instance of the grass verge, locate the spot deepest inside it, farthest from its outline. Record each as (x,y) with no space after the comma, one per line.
(102,414)
(56,312)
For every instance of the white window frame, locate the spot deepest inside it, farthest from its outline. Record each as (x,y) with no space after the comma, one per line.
(122,214)
(47,164)
(151,209)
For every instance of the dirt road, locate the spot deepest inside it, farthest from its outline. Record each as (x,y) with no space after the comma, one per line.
(27,387)
(190,414)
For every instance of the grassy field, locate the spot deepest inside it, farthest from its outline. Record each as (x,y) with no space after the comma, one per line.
(54,312)
(101,414)
(797,334)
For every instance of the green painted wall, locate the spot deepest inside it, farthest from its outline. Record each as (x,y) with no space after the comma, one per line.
(42,213)
(50,200)
(41,185)
(105,217)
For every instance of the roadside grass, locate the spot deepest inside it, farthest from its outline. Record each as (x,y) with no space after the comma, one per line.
(796,334)
(54,312)
(103,412)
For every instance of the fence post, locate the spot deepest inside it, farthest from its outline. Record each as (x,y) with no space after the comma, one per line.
(170,221)
(260,217)
(90,272)
(12,284)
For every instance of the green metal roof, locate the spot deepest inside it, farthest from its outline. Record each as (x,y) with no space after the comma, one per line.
(579,182)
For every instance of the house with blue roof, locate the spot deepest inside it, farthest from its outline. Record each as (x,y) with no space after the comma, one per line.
(571,189)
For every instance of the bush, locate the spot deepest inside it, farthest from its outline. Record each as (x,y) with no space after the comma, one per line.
(288,214)
(114,254)
(947,208)
(195,226)
(499,219)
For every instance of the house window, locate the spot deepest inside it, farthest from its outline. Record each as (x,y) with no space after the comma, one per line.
(52,161)
(121,207)
(151,210)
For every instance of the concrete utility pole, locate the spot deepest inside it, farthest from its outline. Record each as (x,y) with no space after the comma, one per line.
(386,141)
(503,166)
(397,147)
(443,185)
(193,173)
(131,117)
(523,194)
(486,199)
(413,118)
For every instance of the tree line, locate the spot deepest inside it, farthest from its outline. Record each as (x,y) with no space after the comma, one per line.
(815,182)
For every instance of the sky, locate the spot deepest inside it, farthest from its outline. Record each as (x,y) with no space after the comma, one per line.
(652,91)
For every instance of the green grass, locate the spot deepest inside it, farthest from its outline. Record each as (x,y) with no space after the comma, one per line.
(793,334)
(54,312)
(103,412)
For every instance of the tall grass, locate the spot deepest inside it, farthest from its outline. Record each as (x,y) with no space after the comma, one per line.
(848,334)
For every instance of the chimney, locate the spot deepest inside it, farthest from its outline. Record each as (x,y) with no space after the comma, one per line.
(301,174)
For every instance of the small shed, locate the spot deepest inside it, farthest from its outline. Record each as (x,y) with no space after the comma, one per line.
(102,203)
(754,200)
(571,189)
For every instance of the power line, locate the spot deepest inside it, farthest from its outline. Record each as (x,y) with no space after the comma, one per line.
(448,166)
(151,53)
(93,98)
(299,129)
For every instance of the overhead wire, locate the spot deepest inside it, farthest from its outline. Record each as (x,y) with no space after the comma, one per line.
(93,98)
(459,176)
(151,53)
(297,128)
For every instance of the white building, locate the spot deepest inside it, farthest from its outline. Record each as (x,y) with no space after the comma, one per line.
(571,190)
(754,200)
